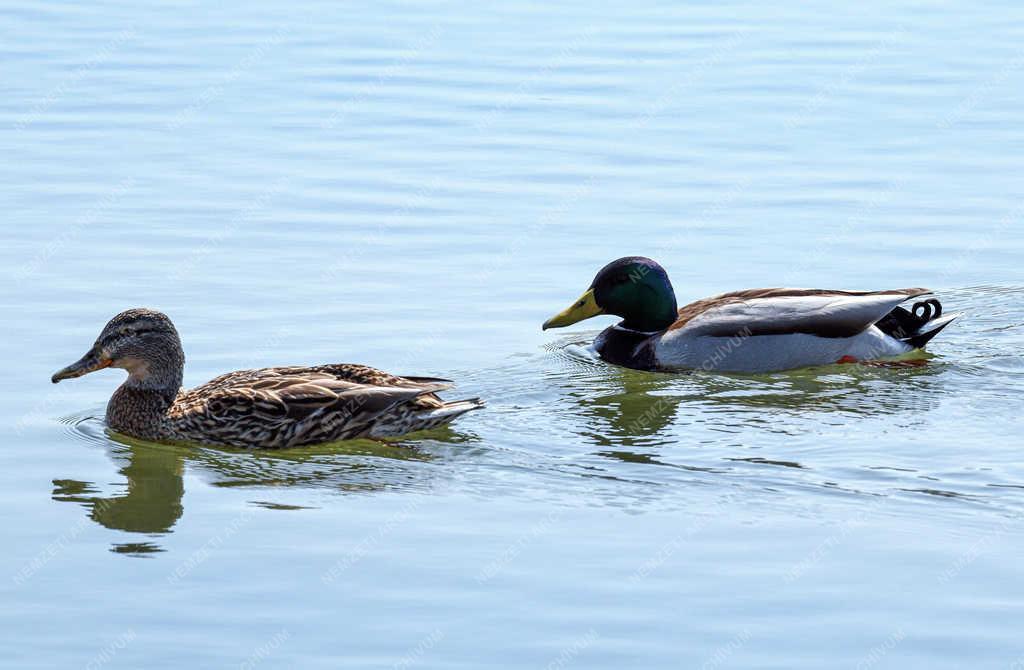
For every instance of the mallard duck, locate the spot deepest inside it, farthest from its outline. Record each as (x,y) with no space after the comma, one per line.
(757,330)
(270,407)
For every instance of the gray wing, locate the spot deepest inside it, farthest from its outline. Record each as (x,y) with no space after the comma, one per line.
(788,311)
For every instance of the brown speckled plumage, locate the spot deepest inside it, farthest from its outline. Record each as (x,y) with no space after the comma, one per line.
(270,407)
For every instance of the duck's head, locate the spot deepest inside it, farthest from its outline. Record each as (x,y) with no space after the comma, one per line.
(142,341)
(634,288)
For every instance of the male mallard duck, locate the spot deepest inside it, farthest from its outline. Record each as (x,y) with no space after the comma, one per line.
(271,407)
(758,330)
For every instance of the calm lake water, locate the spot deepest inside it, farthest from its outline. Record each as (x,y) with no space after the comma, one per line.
(418,187)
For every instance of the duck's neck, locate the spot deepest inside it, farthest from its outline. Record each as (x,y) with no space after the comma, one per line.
(628,348)
(651,308)
(139,407)
(651,322)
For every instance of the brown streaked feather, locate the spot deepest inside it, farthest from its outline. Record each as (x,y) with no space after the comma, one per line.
(291,406)
(823,328)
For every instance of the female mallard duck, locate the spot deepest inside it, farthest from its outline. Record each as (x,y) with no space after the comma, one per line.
(271,407)
(758,330)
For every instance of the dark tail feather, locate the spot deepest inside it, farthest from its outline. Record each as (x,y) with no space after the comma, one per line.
(918,325)
(930,330)
(427,380)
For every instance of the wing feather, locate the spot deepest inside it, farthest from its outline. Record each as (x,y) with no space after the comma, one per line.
(298,405)
(789,311)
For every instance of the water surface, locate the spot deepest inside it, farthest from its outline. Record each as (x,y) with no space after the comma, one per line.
(417,187)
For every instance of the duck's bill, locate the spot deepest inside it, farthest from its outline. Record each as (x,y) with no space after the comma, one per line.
(584,308)
(91,362)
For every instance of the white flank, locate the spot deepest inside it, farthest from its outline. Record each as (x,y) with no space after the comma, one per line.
(765,353)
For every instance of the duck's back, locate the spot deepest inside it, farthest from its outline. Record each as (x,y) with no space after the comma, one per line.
(295,406)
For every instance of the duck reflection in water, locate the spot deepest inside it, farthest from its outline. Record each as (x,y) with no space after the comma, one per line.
(151,503)
(634,415)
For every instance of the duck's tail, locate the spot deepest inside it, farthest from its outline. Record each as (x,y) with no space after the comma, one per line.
(431,413)
(435,417)
(450,411)
(918,325)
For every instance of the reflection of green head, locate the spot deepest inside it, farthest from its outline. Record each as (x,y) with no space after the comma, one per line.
(635,288)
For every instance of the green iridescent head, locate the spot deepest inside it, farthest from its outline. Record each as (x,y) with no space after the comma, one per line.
(634,288)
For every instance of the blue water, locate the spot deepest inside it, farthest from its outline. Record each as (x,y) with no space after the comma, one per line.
(417,187)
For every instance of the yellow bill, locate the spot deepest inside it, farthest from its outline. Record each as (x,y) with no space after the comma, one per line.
(584,308)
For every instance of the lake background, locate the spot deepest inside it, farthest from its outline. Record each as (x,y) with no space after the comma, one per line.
(417,187)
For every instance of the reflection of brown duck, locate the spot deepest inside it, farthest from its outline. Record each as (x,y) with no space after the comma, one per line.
(152,501)
(353,466)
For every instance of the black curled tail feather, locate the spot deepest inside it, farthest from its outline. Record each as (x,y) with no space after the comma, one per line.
(926,310)
(918,325)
